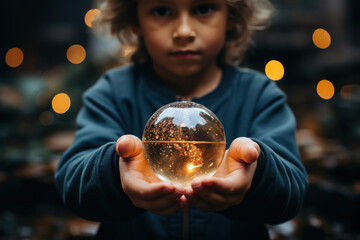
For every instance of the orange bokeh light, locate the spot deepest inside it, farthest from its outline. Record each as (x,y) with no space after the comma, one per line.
(76,54)
(325,89)
(61,103)
(274,70)
(14,57)
(90,16)
(321,38)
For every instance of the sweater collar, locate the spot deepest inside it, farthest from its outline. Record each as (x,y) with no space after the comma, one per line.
(159,91)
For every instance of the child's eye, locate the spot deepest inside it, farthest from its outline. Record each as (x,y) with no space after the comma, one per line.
(161,11)
(204,9)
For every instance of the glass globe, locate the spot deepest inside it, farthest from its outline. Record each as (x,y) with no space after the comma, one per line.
(183,140)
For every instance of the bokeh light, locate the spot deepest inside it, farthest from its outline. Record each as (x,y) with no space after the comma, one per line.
(325,89)
(321,38)
(14,57)
(61,103)
(76,54)
(90,16)
(274,70)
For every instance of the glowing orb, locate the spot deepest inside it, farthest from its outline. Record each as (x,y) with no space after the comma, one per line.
(183,140)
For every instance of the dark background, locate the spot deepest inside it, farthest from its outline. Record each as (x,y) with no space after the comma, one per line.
(328,131)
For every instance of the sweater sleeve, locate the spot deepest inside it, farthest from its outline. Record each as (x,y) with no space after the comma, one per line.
(280,181)
(87,176)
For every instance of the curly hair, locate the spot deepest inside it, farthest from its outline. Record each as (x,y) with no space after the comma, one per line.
(118,16)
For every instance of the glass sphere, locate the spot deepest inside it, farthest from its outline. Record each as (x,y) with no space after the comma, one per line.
(183,140)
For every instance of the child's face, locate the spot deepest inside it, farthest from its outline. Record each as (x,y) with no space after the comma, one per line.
(183,37)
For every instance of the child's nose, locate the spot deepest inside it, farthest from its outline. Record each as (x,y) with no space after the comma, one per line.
(184,29)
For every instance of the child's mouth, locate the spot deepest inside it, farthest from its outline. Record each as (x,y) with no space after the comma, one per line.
(184,54)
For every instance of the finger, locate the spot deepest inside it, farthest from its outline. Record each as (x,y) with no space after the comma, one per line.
(244,149)
(219,191)
(200,203)
(209,195)
(233,184)
(176,207)
(128,146)
(161,203)
(141,189)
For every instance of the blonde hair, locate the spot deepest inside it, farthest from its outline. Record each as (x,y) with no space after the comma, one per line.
(245,15)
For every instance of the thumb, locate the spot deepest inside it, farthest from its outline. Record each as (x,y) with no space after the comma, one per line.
(128,146)
(244,149)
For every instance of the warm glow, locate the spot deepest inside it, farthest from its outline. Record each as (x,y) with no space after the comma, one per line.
(321,38)
(14,57)
(76,54)
(61,103)
(90,16)
(325,89)
(190,167)
(274,70)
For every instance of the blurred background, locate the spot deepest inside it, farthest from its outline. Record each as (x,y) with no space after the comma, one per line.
(50,56)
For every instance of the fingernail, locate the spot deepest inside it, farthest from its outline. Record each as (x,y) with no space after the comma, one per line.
(179,189)
(189,193)
(257,153)
(123,138)
(196,182)
(197,186)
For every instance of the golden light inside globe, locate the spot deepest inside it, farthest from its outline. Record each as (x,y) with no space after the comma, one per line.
(183,140)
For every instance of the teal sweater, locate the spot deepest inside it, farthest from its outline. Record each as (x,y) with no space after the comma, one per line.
(247,103)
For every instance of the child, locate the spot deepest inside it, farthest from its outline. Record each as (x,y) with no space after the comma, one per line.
(186,50)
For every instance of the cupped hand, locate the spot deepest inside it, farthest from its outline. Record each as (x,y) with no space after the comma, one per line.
(229,185)
(141,185)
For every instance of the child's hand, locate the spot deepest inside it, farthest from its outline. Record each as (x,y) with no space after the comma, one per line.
(231,181)
(142,186)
